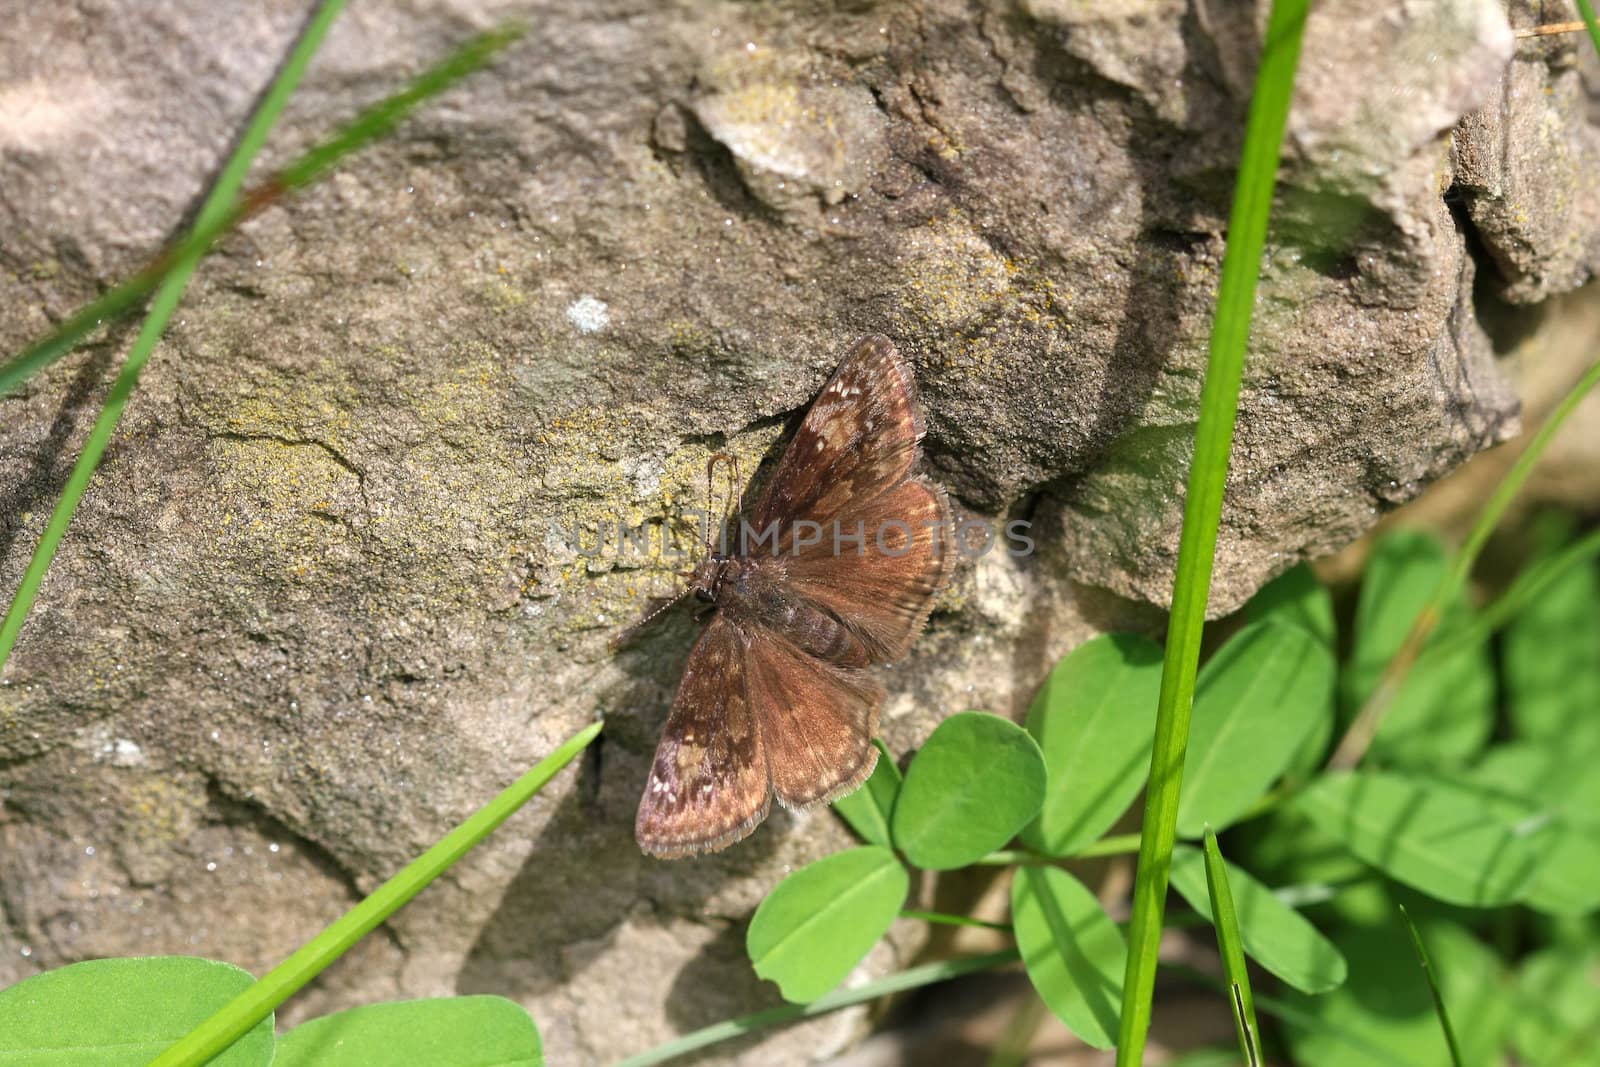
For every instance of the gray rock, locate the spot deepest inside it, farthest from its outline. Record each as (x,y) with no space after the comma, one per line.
(1523,162)
(319,602)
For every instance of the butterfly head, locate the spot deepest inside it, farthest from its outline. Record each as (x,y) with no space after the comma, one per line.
(706,580)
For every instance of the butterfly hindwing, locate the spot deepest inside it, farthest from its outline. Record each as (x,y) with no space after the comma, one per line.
(882,585)
(708,784)
(851,550)
(816,721)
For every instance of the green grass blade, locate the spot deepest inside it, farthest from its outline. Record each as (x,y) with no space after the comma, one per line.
(1586,9)
(383,116)
(1294,1016)
(1358,738)
(1527,587)
(1231,945)
(214,211)
(371,124)
(222,210)
(1433,988)
(913,978)
(213,214)
(1219,403)
(284,980)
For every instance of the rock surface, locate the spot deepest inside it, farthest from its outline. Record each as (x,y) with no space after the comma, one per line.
(319,603)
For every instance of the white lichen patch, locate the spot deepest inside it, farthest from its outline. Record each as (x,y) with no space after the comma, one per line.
(588,314)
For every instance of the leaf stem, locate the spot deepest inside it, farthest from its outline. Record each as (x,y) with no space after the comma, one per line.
(1114,845)
(913,978)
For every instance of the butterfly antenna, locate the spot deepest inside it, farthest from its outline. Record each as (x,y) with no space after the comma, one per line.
(625,637)
(711,465)
(735,490)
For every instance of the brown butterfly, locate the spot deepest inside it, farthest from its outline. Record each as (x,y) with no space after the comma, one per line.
(835,572)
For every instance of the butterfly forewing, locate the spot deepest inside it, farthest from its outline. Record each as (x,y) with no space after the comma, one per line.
(882,586)
(858,440)
(816,720)
(774,699)
(708,785)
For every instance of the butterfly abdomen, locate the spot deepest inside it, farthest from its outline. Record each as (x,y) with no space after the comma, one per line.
(753,595)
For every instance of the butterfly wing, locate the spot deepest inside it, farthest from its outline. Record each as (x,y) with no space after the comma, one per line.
(882,586)
(756,715)
(858,440)
(708,784)
(816,721)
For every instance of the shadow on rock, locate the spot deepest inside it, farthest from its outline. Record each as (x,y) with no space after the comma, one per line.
(584,877)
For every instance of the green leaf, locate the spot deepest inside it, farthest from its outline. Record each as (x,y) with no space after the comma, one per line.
(1444,710)
(1558,777)
(977,781)
(1255,703)
(867,810)
(448,1032)
(818,923)
(1558,1008)
(1568,879)
(1274,934)
(1286,850)
(1446,840)
(1386,1001)
(1094,718)
(1074,953)
(1533,782)
(1552,659)
(122,1011)
(1297,598)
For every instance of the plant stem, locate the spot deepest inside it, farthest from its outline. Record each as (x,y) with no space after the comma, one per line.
(1364,729)
(1219,402)
(1115,845)
(171,271)
(1528,586)
(1433,988)
(235,1018)
(788,1013)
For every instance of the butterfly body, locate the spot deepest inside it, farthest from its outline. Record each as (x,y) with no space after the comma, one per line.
(755,592)
(835,573)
